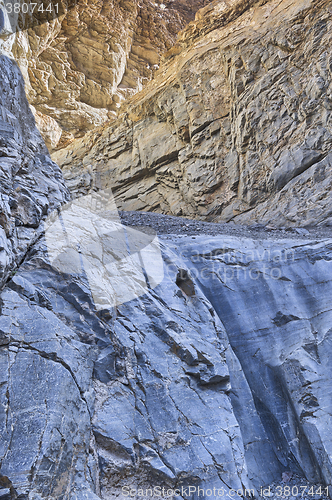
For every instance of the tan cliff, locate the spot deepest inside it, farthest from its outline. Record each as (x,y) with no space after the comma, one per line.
(79,68)
(235,126)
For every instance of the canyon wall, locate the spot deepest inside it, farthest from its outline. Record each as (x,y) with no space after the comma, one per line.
(235,126)
(31,184)
(218,377)
(218,374)
(81,66)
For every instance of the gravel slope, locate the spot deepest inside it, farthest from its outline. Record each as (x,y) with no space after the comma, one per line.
(167,224)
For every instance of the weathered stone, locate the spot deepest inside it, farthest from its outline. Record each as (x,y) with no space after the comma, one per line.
(280,342)
(226,388)
(30,183)
(236,126)
(79,68)
(218,376)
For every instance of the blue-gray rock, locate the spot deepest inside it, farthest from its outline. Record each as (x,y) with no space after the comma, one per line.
(226,387)
(218,378)
(31,183)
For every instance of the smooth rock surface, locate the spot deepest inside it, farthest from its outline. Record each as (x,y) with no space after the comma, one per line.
(227,386)
(219,377)
(278,324)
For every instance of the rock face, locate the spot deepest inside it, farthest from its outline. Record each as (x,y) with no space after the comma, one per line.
(235,126)
(266,297)
(31,184)
(79,68)
(217,376)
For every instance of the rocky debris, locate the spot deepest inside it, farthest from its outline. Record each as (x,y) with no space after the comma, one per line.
(236,126)
(168,224)
(80,67)
(87,234)
(31,184)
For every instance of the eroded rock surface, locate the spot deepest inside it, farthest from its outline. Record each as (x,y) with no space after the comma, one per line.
(31,184)
(267,298)
(236,126)
(219,379)
(79,68)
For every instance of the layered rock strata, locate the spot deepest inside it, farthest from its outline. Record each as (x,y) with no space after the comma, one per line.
(215,376)
(235,126)
(80,67)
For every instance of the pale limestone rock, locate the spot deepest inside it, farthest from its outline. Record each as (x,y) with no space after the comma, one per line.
(48,127)
(217,377)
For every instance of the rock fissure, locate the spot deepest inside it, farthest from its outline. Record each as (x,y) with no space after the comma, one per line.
(50,357)
(221,383)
